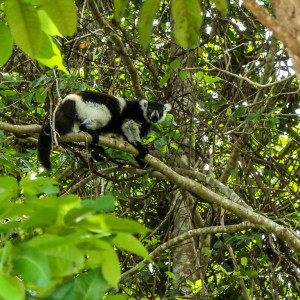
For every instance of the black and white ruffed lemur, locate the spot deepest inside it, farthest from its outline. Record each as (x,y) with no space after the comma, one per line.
(97,114)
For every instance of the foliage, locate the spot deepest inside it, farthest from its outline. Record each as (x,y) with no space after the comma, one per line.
(235,120)
(48,239)
(33,24)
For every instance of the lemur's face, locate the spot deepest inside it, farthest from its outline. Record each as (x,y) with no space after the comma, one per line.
(155,112)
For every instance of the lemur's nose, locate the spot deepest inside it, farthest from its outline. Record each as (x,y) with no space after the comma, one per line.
(154,117)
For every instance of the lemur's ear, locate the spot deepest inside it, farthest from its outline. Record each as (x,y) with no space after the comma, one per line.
(144,103)
(167,107)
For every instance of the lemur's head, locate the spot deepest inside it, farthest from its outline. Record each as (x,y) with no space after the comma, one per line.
(153,111)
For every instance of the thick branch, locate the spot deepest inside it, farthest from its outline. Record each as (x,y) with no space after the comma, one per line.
(280,31)
(291,238)
(187,235)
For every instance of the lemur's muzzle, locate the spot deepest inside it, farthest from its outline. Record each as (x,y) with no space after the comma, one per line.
(154,117)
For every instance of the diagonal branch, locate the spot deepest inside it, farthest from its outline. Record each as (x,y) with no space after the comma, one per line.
(187,235)
(284,233)
(273,24)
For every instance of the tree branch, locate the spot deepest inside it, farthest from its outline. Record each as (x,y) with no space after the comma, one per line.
(273,24)
(290,237)
(120,48)
(187,235)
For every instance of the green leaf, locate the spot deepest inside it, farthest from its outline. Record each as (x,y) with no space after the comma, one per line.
(110,266)
(132,244)
(175,64)
(104,203)
(63,14)
(37,186)
(160,142)
(6,43)
(110,223)
(8,188)
(119,9)
(89,286)
(63,292)
(47,25)
(41,218)
(24,24)
(210,79)
(171,275)
(50,241)
(251,273)
(244,261)
(183,75)
(11,288)
(222,6)
(33,266)
(166,77)
(187,19)
(50,55)
(64,261)
(145,24)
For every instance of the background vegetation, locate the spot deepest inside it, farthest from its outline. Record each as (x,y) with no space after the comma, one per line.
(220,197)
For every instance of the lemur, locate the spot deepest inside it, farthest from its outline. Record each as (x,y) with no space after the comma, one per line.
(97,114)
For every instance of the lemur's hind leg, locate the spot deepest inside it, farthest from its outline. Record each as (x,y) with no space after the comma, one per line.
(93,133)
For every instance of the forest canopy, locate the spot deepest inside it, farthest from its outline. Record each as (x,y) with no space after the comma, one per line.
(215,213)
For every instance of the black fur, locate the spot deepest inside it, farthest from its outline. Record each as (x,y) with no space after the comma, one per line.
(122,112)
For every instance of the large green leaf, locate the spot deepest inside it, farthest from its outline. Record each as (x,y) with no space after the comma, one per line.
(6,43)
(89,286)
(11,288)
(49,241)
(63,14)
(119,8)
(102,254)
(41,218)
(25,25)
(187,18)
(47,24)
(104,203)
(130,243)
(8,188)
(50,55)
(33,266)
(145,24)
(222,6)
(110,223)
(65,260)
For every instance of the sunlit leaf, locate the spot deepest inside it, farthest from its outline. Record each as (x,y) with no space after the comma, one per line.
(222,6)
(8,188)
(11,288)
(132,244)
(63,14)
(50,55)
(25,25)
(6,43)
(119,9)
(47,24)
(145,24)
(187,18)
(33,266)
(89,286)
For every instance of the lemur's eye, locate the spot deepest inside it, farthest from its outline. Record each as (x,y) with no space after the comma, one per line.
(150,109)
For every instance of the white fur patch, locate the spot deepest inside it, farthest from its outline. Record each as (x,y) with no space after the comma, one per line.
(131,130)
(93,115)
(122,103)
(144,104)
(167,107)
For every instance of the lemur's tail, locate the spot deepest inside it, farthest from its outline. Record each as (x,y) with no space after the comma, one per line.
(44,147)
